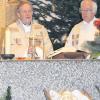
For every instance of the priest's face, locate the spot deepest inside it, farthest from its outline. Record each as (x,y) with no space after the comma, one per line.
(25,14)
(87,11)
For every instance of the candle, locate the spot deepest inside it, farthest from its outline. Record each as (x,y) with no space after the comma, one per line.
(7,42)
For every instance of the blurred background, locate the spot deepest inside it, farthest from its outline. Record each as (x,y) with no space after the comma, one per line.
(58,16)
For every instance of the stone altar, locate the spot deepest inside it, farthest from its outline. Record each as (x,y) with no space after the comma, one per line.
(28,78)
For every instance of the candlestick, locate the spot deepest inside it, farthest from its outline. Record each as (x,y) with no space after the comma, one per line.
(7,42)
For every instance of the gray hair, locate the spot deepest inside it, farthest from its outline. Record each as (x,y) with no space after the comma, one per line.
(94,5)
(21,3)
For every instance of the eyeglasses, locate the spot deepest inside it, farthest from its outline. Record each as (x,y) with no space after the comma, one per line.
(28,11)
(87,10)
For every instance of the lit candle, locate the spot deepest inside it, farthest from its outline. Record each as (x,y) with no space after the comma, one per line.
(7,42)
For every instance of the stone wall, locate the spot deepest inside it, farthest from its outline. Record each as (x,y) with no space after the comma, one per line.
(7,16)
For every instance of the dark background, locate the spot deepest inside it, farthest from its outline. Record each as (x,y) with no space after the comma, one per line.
(63,15)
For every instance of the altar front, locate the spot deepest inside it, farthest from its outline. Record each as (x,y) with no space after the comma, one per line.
(28,79)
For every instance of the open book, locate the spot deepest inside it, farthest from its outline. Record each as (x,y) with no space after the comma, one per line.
(63,49)
(70,53)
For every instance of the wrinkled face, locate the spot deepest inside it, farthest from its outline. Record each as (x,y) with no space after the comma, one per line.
(25,14)
(87,12)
